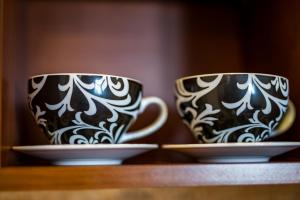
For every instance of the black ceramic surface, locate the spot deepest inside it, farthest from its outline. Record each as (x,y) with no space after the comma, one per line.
(83,108)
(232,107)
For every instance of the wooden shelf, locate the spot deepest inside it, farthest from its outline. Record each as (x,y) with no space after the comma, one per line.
(128,176)
(154,42)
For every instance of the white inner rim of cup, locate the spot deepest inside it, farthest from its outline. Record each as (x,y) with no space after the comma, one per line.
(84,74)
(234,73)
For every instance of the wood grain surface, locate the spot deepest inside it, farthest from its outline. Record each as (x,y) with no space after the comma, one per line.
(132,176)
(274,192)
(1,69)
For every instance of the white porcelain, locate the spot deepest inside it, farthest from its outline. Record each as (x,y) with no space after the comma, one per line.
(87,154)
(234,152)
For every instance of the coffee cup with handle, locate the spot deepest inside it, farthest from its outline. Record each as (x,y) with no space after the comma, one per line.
(78,108)
(234,107)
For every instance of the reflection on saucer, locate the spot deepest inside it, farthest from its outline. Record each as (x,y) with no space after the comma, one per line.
(234,152)
(87,154)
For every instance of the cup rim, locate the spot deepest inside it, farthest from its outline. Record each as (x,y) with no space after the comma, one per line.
(228,73)
(84,74)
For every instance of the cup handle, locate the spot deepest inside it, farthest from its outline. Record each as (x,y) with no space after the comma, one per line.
(287,120)
(154,126)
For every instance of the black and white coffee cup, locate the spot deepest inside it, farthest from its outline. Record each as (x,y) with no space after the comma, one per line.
(77,108)
(234,107)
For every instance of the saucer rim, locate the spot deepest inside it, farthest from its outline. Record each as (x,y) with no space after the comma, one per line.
(231,145)
(83,147)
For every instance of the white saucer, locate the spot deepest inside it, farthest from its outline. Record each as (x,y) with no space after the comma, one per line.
(234,152)
(87,154)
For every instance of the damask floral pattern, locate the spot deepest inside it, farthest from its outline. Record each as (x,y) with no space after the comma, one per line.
(95,94)
(200,115)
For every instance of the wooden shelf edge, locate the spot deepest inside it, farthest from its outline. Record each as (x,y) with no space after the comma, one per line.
(129,176)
